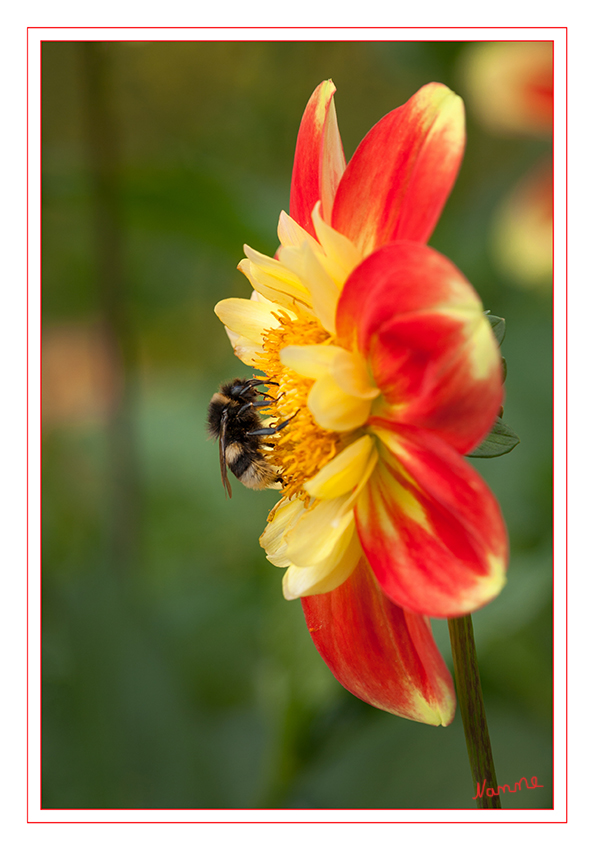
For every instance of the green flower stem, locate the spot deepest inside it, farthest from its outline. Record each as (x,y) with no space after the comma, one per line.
(472,709)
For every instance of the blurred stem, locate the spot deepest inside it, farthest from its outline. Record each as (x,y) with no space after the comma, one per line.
(104,168)
(472,709)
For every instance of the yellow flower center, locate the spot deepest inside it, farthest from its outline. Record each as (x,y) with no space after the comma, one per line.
(302,448)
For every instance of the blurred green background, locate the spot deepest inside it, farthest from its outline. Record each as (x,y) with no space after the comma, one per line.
(175,675)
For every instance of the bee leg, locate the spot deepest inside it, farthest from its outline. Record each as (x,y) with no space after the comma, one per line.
(266,395)
(265,383)
(252,404)
(255,382)
(264,432)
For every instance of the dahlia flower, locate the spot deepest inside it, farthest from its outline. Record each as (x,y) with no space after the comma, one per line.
(382,362)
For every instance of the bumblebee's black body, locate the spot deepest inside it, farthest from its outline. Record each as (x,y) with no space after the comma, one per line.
(233,419)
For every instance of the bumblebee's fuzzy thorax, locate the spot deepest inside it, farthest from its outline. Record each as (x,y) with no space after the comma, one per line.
(224,401)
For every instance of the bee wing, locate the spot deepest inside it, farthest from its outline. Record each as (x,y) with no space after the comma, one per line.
(222,447)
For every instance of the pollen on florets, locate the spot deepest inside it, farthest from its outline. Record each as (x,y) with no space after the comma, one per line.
(302,448)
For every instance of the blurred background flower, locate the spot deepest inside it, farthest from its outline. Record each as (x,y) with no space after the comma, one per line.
(509,86)
(174,673)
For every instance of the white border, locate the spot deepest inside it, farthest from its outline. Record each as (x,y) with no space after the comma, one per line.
(560,428)
(336,817)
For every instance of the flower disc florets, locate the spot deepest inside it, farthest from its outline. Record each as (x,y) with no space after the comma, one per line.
(303,447)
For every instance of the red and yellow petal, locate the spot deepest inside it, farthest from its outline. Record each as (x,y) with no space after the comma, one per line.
(401,175)
(319,159)
(382,654)
(430,527)
(430,347)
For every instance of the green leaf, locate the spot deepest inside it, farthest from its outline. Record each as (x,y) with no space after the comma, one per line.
(498,326)
(501,440)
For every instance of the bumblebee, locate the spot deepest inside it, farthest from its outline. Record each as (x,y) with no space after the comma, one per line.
(234,420)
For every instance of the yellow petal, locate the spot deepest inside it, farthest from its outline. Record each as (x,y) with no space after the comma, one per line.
(323,289)
(317,534)
(246,350)
(334,409)
(342,255)
(272,267)
(247,318)
(273,280)
(273,539)
(340,400)
(306,581)
(350,372)
(311,361)
(344,472)
(291,234)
